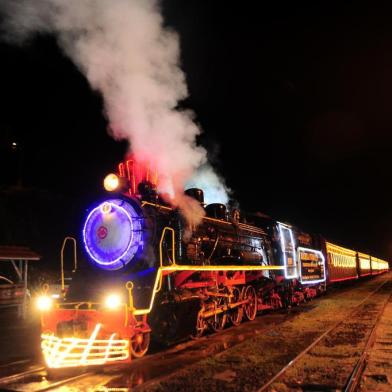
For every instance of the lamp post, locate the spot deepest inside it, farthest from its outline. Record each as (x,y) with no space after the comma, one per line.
(17,149)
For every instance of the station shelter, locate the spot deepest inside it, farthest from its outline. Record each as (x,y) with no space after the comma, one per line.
(14,291)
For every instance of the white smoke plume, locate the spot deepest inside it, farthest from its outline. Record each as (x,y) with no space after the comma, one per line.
(214,187)
(132,59)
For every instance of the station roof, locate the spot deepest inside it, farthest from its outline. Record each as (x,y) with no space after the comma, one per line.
(17,253)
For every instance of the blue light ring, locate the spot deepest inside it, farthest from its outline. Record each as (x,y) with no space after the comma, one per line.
(129,242)
(134,214)
(101,262)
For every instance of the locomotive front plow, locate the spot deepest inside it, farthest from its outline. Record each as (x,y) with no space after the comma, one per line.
(73,352)
(90,334)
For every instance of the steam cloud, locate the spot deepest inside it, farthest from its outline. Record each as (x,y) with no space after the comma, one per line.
(214,188)
(126,53)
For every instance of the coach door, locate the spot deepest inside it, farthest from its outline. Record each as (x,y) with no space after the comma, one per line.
(288,250)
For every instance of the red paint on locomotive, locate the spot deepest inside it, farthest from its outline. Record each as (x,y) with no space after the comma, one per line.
(229,268)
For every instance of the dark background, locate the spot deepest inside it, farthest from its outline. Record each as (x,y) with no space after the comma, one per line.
(295,101)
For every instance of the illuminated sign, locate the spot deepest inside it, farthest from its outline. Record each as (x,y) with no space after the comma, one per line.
(312,265)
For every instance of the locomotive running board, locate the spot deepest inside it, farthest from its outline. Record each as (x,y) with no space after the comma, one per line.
(175,267)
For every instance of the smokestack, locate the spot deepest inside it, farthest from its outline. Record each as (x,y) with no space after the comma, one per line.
(196,193)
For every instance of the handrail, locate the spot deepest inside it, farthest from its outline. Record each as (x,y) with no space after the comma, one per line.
(167,228)
(6,279)
(66,239)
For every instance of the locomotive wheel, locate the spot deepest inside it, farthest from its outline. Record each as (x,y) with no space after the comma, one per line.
(218,321)
(236,314)
(201,326)
(251,307)
(139,344)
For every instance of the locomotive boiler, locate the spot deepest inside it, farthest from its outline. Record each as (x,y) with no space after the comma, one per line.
(150,275)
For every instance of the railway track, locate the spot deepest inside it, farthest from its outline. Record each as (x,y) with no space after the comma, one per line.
(21,375)
(154,366)
(173,362)
(14,363)
(147,368)
(374,368)
(146,371)
(35,379)
(335,360)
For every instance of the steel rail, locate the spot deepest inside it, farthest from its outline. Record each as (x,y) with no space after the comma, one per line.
(63,382)
(18,376)
(321,337)
(18,362)
(356,375)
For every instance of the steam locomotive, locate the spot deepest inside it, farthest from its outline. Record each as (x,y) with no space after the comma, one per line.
(150,276)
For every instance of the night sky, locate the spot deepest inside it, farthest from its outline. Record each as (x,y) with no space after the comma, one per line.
(295,101)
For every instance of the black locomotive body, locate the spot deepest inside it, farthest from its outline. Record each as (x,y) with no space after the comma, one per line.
(152,274)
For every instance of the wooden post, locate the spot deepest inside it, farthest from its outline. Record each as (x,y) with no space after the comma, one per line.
(24,308)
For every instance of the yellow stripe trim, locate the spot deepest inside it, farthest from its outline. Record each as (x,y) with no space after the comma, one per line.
(174,268)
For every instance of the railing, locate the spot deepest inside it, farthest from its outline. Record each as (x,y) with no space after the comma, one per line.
(173,249)
(66,239)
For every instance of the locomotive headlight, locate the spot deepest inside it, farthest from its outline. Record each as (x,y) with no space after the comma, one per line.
(113,301)
(44,303)
(111,182)
(106,208)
